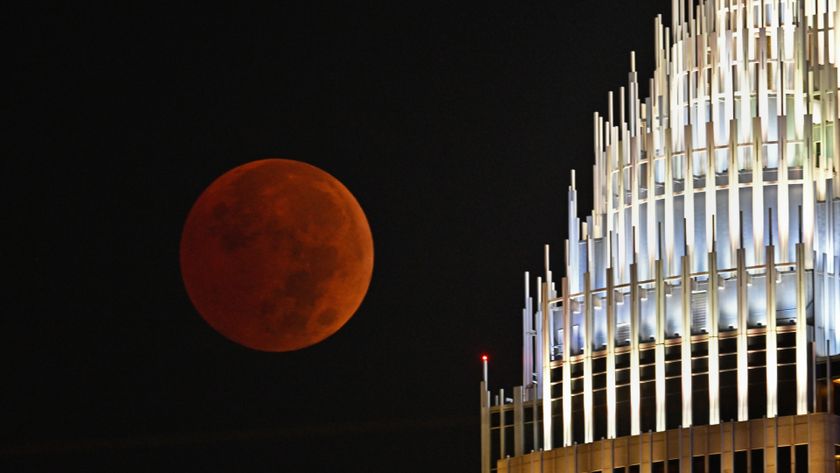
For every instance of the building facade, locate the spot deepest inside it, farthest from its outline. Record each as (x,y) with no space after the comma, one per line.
(698,320)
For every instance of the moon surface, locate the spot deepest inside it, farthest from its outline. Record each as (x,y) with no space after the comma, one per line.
(276,255)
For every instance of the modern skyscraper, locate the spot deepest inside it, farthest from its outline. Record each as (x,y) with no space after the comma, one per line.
(697,322)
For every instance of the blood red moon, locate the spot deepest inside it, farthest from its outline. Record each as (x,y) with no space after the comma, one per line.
(276,255)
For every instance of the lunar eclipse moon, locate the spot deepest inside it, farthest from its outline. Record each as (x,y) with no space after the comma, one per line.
(276,255)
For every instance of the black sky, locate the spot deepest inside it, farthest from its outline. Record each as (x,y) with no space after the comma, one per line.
(454,125)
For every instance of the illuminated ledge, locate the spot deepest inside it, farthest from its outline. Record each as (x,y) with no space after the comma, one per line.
(730,442)
(752,332)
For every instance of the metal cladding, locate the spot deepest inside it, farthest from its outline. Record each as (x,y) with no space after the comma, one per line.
(715,227)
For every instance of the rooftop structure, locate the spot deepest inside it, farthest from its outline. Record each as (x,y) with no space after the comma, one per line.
(699,312)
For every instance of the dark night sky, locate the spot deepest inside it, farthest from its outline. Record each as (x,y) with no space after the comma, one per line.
(455,126)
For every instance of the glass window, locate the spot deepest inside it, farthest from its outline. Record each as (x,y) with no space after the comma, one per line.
(699,168)
(673,403)
(673,352)
(599,365)
(599,422)
(494,444)
(648,404)
(729,397)
(740,461)
(622,421)
(783,460)
(700,399)
(577,419)
(527,439)
(757,392)
(698,465)
(556,424)
(757,342)
(801,453)
(787,390)
(622,361)
(757,460)
(714,463)
(678,166)
(728,362)
(659,176)
(728,345)
(673,466)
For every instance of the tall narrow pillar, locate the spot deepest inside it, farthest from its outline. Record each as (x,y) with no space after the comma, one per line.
(713,327)
(611,395)
(772,356)
(567,366)
(660,348)
(801,334)
(741,347)
(485,428)
(685,346)
(546,368)
(635,379)
(588,430)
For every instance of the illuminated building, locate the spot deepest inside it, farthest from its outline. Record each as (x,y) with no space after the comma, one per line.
(701,300)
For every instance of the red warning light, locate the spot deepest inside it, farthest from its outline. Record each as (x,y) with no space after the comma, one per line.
(483,357)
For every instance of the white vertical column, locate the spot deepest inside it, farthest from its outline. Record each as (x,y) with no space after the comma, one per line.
(610,155)
(538,342)
(485,428)
(501,422)
(808,197)
(758,188)
(611,396)
(836,117)
(821,296)
(801,334)
(636,143)
(527,336)
(824,108)
(685,346)
(669,209)
(546,355)
(597,169)
(573,248)
(711,207)
(567,366)
(635,379)
(732,187)
(587,359)
(622,149)
(688,195)
(660,347)
(742,367)
(722,40)
(783,213)
(713,328)
(772,369)
(546,371)
(651,207)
